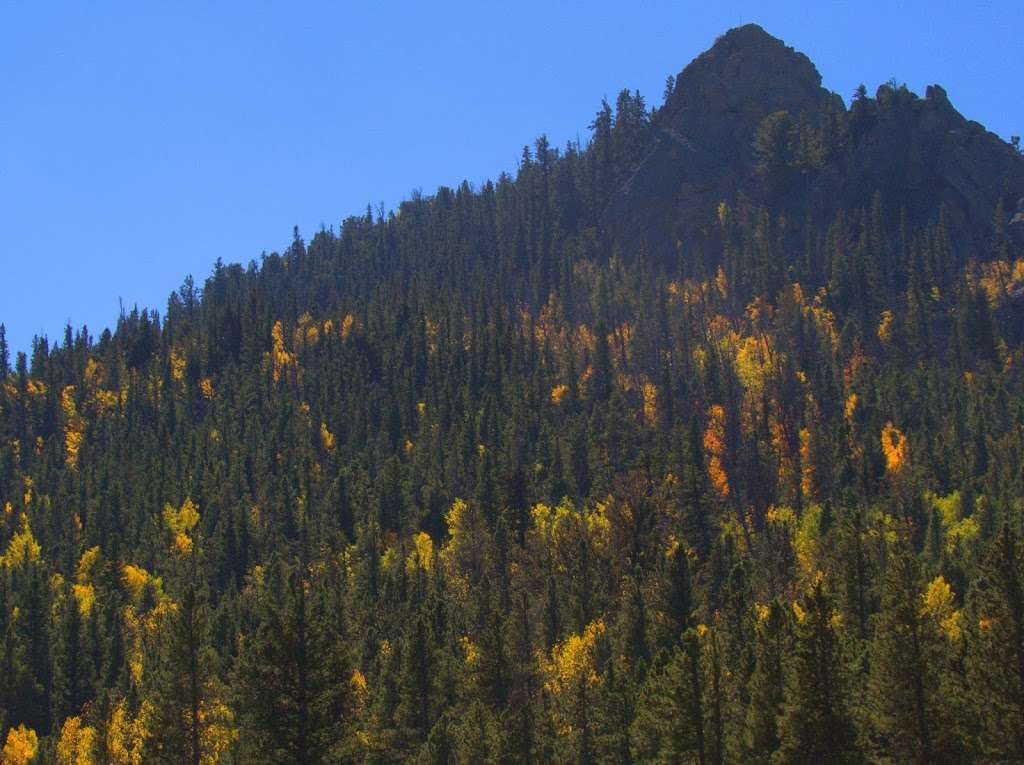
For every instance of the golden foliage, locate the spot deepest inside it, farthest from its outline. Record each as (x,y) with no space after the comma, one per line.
(806,543)
(761,613)
(217,723)
(306,331)
(85,597)
(349,321)
(206,388)
(23,547)
(126,735)
(470,650)
(573,662)
(182,519)
(650,394)
(780,515)
(422,555)
(360,690)
(959,528)
(182,543)
(558,393)
(884,330)
(20,747)
(135,579)
(180,522)
(74,426)
(454,520)
(76,742)
(86,564)
(563,522)
(714,447)
(104,400)
(806,465)
(279,357)
(327,439)
(723,213)
(177,363)
(938,605)
(999,278)
(850,408)
(894,447)
(753,361)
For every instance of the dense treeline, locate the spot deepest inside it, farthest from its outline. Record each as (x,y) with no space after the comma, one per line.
(477,481)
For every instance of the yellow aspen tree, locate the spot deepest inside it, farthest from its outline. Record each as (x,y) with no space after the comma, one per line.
(206,388)
(126,735)
(895,448)
(558,393)
(348,322)
(180,522)
(650,393)
(279,357)
(714,448)
(74,426)
(23,547)
(327,439)
(20,747)
(571,675)
(76,743)
(884,330)
(806,465)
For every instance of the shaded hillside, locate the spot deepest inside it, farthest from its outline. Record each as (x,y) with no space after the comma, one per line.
(702,442)
(749,117)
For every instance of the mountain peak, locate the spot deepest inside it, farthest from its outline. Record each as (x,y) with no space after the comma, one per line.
(919,152)
(746,35)
(748,66)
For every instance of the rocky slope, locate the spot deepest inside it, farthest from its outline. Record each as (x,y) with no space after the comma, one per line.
(919,151)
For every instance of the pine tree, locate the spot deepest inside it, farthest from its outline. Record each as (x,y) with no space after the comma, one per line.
(773,637)
(292,681)
(187,720)
(995,648)
(670,717)
(909,656)
(816,724)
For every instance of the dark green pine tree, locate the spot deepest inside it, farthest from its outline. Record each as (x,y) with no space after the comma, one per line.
(816,724)
(669,725)
(415,692)
(70,675)
(995,649)
(292,680)
(5,355)
(767,689)
(602,374)
(179,683)
(908,660)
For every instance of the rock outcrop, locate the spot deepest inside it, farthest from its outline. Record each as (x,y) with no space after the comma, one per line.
(920,154)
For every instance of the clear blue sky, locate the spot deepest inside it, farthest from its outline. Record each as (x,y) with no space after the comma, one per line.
(141,141)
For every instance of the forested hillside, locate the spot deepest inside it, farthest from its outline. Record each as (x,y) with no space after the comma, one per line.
(700,442)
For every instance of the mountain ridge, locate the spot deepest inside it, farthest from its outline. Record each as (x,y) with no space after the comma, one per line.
(620,459)
(919,151)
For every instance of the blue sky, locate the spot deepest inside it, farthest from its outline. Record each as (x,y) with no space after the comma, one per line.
(141,141)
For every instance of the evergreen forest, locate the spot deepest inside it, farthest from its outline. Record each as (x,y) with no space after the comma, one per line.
(700,441)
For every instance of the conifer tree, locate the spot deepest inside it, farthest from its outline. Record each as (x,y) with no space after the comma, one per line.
(292,682)
(995,648)
(816,724)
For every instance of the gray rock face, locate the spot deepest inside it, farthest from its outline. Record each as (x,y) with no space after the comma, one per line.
(921,154)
